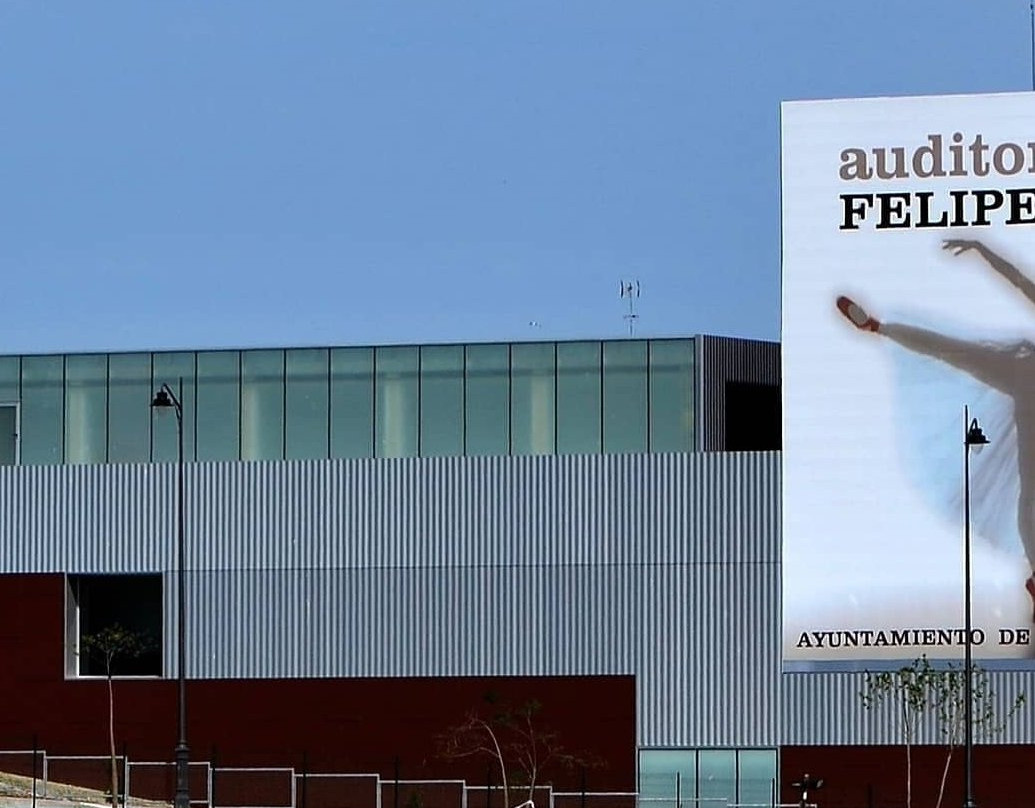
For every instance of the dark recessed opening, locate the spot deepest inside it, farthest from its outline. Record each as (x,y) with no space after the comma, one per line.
(133,602)
(752,417)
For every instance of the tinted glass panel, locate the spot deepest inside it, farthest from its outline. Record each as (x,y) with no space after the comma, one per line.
(42,411)
(352,402)
(8,434)
(625,396)
(525,398)
(172,369)
(578,398)
(671,396)
(442,400)
(129,411)
(757,776)
(308,390)
(666,773)
(532,396)
(262,405)
(487,406)
(218,411)
(717,774)
(10,371)
(86,408)
(396,402)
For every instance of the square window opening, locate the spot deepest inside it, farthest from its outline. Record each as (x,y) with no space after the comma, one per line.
(116,620)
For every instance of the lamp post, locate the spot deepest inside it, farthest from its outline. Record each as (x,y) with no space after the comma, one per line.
(973,439)
(166,398)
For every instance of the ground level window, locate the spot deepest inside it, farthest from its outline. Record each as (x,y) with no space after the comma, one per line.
(683,778)
(98,603)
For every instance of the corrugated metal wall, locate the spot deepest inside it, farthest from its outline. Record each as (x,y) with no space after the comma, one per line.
(663,566)
(825,708)
(652,510)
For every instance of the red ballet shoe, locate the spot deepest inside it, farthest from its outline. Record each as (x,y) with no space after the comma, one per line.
(856,314)
(1030,586)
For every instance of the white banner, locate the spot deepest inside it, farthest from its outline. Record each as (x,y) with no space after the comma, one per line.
(908,296)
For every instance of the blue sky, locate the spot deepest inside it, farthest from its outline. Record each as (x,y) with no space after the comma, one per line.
(248,173)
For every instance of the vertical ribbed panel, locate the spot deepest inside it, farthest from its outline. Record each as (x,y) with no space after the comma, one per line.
(660,623)
(86,518)
(826,708)
(663,566)
(721,360)
(410,512)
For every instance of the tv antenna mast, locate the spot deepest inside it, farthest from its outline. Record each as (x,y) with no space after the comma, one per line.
(631,290)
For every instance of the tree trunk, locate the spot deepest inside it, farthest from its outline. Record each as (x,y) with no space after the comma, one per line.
(499,758)
(111,744)
(945,776)
(909,775)
(907,736)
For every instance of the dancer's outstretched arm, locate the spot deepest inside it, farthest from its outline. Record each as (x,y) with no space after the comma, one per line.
(1017,278)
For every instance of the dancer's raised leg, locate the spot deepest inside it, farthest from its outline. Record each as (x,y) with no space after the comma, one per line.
(992,363)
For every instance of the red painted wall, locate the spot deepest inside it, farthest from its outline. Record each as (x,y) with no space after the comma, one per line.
(359,725)
(875,776)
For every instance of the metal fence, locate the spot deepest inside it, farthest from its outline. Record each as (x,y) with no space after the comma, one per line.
(86,779)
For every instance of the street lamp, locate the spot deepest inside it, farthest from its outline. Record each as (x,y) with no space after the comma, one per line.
(973,439)
(804,785)
(164,399)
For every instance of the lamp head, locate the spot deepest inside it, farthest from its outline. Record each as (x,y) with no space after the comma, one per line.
(975,437)
(807,783)
(162,399)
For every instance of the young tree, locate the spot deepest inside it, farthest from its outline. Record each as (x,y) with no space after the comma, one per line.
(918,689)
(948,698)
(514,740)
(909,689)
(108,645)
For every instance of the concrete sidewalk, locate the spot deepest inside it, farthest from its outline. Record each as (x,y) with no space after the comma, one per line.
(26,802)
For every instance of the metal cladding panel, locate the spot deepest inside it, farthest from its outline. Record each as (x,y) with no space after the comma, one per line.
(665,566)
(721,360)
(826,709)
(85,519)
(411,512)
(705,673)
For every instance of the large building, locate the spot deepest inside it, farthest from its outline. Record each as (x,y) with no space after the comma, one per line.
(377,538)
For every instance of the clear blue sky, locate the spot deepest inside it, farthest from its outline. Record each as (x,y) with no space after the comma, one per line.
(251,173)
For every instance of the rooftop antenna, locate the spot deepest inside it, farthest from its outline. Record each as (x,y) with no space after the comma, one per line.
(631,290)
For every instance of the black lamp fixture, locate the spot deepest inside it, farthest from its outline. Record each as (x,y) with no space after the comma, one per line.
(973,440)
(165,398)
(975,435)
(806,784)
